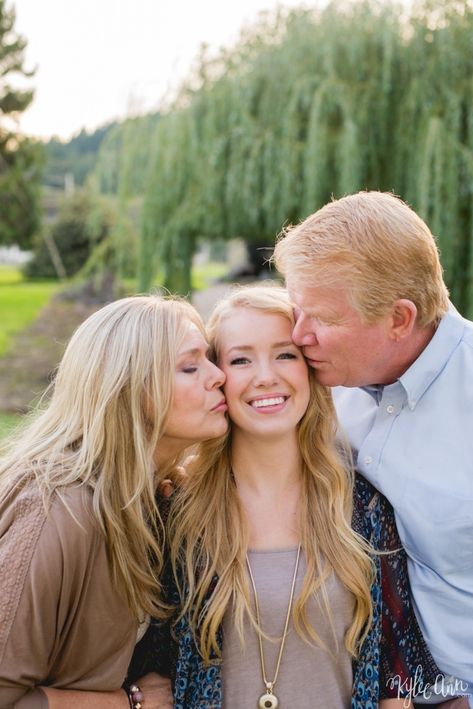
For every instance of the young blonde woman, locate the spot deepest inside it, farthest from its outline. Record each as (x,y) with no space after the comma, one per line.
(280,602)
(81,534)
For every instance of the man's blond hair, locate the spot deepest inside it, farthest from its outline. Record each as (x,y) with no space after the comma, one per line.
(374,243)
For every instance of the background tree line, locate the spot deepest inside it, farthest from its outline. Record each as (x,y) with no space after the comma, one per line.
(308,104)
(20,158)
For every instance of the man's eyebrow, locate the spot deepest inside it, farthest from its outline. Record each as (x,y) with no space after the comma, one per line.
(313,310)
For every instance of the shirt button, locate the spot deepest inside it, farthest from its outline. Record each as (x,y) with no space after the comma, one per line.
(390,409)
(368,460)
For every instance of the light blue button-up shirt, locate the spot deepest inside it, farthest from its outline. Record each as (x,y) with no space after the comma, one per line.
(413,440)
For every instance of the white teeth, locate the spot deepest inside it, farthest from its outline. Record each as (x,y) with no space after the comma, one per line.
(260,403)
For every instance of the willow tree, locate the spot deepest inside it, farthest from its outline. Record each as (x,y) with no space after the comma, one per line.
(440,106)
(311,104)
(270,132)
(120,175)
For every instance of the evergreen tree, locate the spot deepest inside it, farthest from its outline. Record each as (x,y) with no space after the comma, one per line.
(20,159)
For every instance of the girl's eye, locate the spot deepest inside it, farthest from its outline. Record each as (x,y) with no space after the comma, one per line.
(287,355)
(239,360)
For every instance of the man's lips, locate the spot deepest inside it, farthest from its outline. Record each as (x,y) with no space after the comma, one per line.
(312,361)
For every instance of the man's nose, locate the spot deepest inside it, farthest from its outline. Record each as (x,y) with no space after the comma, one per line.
(303,335)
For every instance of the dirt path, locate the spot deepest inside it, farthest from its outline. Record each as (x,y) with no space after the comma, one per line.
(205,300)
(26,369)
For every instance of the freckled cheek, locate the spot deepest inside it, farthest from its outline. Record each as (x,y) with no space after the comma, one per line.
(329,345)
(303,382)
(305,403)
(192,399)
(230,396)
(323,338)
(233,390)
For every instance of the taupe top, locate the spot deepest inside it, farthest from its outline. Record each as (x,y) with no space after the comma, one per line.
(62,621)
(309,676)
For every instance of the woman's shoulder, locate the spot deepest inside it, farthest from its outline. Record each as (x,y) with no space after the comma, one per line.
(22,514)
(28,518)
(74,502)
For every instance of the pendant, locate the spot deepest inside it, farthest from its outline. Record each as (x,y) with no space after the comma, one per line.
(268,701)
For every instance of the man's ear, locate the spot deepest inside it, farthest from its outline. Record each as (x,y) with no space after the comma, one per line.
(402,319)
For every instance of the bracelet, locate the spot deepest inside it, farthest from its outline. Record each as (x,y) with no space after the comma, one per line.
(135,697)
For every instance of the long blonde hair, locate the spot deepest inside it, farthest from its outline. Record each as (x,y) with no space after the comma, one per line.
(100,428)
(209,531)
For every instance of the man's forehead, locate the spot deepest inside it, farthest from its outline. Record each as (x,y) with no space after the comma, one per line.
(315,297)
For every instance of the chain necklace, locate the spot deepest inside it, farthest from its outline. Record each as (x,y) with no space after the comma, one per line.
(269,700)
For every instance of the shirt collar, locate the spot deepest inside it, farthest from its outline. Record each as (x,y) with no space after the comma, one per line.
(433,359)
(420,375)
(374,390)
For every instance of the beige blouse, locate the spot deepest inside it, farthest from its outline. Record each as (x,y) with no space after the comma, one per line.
(62,620)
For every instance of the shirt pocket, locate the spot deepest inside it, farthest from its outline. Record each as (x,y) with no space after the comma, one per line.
(437,529)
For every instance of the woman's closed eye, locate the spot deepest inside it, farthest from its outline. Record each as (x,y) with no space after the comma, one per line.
(189,369)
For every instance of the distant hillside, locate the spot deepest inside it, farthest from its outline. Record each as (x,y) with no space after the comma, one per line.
(76,157)
(118,150)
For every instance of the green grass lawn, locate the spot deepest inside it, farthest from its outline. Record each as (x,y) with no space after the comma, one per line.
(202,277)
(7,422)
(20,302)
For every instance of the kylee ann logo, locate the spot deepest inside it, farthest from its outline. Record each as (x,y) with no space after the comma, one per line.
(416,687)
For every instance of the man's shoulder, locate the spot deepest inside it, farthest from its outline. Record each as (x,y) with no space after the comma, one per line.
(468,333)
(454,325)
(459,335)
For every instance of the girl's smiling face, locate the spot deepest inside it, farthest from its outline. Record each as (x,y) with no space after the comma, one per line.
(267,380)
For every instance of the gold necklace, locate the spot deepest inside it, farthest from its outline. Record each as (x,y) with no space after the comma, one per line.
(269,700)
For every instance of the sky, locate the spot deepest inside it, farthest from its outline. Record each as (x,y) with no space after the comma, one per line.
(101,60)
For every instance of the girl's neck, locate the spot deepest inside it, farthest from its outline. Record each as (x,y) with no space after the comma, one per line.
(265,466)
(268,479)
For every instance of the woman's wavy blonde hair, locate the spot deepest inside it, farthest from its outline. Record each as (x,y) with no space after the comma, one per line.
(99,430)
(209,532)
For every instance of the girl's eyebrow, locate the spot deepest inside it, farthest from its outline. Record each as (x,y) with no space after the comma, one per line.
(240,348)
(286,343)
(246,348)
